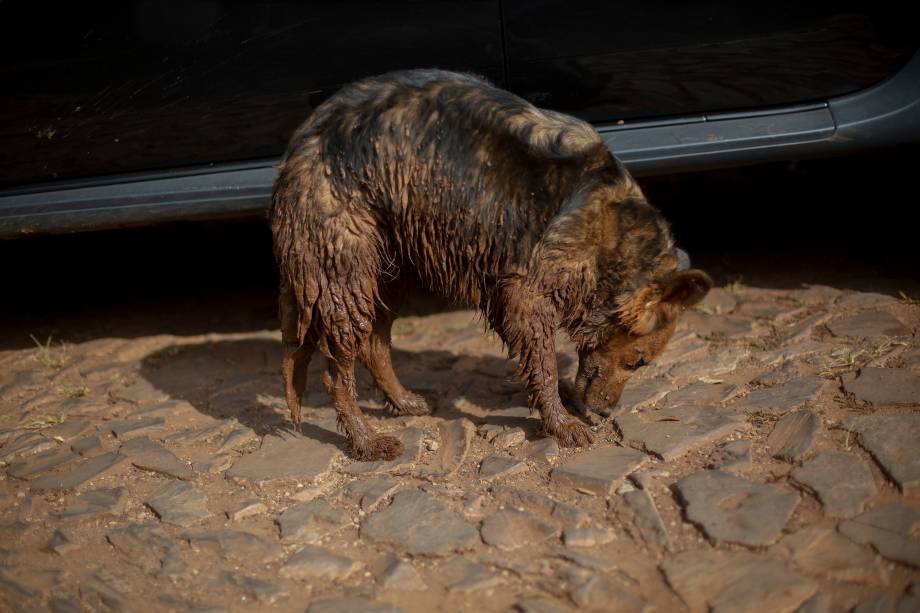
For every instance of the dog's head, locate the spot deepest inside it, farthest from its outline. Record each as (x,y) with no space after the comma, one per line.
(642,323)
(632,281)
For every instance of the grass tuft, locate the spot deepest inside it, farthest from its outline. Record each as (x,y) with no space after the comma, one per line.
(46,421)
(47,355)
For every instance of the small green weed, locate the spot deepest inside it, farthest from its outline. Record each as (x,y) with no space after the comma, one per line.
(47,355)
(45,421)
(736,286)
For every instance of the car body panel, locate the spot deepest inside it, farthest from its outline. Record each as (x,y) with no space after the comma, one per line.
(171,119)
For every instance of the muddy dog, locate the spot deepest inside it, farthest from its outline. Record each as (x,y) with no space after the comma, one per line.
(520,212)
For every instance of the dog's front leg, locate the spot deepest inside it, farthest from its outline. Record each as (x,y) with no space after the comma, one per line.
(527,323)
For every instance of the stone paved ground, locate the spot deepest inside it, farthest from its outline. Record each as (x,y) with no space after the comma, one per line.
(767,462)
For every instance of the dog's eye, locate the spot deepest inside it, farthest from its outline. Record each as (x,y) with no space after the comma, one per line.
(638,363)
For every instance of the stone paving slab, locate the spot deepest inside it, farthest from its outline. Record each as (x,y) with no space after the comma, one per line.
(311,563)
(510,529)
(94,502)
(644,515)
(886,386)
(841,480)
(142,544)
(234,544)
(179,503)
(420,525)
(673,432)
(463,522)
(397,574)
(892,441)
(310,521)
(495,466)
(369,493)
(700,393)
(148,455)
(734,457)
(462,575)
(783,398)
(284,457)
(39,464)
(600,593)
(868,324)
(736,582)
(892,529)
(823,551)
(734,510)
(72,479)
(793,435)
(598,470)
(639,394)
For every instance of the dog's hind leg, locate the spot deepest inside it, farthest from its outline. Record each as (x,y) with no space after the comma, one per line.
(365,444)
(294,362)
(296,352)
(376,356)
(346,306)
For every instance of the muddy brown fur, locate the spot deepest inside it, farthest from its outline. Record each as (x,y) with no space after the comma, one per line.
(520,212)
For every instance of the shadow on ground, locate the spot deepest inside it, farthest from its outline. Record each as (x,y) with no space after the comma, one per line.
(240,379)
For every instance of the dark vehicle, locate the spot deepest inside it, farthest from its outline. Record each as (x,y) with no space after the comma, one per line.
(125,113)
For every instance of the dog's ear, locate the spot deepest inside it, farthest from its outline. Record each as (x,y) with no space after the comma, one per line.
(686,288)
(643,311)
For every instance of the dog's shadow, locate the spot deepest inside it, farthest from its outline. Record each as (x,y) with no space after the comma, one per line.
(241,379)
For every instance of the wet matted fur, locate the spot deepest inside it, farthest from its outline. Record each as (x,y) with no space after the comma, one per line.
(520,212)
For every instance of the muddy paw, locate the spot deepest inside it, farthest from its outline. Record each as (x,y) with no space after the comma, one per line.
(379,448)
(571,433)
(410,404)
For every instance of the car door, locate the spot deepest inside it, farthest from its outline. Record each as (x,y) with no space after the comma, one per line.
(102,88)
(609,61)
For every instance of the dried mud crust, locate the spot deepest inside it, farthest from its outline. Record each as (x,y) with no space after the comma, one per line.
(767,459)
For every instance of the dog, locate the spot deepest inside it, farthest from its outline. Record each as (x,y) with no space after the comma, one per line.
(520,212)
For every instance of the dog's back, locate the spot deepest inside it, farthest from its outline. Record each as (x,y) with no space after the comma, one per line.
(438,169)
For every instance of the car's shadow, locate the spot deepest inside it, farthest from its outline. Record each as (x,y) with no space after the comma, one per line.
(241,379)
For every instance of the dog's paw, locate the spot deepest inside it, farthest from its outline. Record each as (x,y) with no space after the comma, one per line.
(410,404)
(571,432)
(378,448)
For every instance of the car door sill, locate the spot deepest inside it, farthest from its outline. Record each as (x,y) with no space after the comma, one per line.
(883,115)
